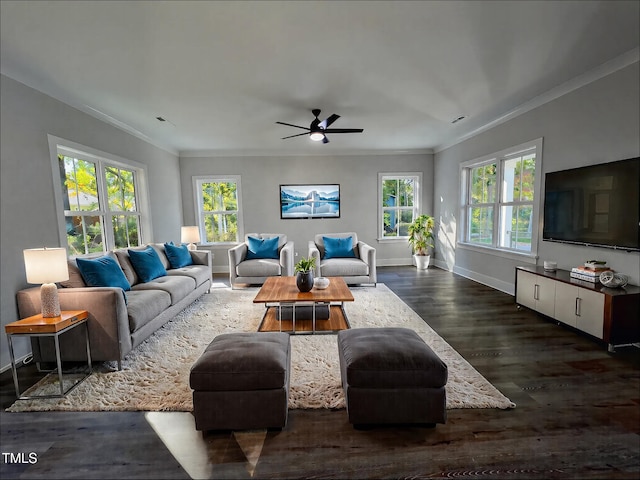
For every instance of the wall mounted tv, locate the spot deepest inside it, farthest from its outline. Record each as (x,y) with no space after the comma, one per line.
(598,205)
(310,201)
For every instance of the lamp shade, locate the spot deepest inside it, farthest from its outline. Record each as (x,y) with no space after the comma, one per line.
(190,234)
(46,265)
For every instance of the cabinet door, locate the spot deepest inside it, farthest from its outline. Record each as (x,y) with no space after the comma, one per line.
(580,308)
(546,296)
(536,292)
(525,293)
(566,303)
(590,314)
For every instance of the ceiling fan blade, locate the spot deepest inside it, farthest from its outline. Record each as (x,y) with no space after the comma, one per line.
(329,120)
(298,135)
(296,126)
(344,130)
(325,139)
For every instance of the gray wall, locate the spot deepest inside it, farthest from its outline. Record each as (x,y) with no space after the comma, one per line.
(27,199)
(593,124)
(358,179)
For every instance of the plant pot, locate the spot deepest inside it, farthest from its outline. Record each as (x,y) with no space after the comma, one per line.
(422,261)
(304,281)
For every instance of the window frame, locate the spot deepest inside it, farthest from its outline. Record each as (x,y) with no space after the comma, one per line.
(197,182)
(102,160)
(417,201)
(499,158)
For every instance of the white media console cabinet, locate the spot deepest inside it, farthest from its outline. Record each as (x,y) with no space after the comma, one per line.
(611,315)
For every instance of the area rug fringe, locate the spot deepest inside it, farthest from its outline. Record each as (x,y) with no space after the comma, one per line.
(155,376)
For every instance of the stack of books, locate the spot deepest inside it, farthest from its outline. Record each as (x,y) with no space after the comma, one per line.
(589,273)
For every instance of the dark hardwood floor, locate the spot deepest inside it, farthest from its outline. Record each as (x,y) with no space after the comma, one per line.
(577,414)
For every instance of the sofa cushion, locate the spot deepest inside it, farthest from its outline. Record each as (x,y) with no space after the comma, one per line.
(147,263)
(102,272)
(178,286)
(145,305)
(200,273)
(178,255)
(343,267)
(75,277)
(338,247)
(122,255)
(264,267)
(262,248)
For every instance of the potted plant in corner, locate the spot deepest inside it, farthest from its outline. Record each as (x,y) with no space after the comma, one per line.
(304,273)
(421,239)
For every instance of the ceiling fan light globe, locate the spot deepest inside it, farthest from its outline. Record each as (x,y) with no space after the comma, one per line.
(316,136)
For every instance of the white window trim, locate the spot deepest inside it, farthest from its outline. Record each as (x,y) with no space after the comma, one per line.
(198,180)
(417,202)
(67,147)
(528,257)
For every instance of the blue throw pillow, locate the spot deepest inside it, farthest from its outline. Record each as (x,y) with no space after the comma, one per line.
(178,256)
(147,264)
(102,272)
(262,248)
(338,247)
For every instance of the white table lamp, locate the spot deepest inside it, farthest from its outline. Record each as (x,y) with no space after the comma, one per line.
(190,235)
(47,266)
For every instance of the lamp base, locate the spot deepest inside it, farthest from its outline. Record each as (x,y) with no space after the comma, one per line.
(49,300)
(192,246)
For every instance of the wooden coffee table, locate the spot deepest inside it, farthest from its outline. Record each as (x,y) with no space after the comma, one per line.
(290,310)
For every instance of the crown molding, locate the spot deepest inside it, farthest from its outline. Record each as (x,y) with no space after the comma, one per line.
(294,153)
(601,71)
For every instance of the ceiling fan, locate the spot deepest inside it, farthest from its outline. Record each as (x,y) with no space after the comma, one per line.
(318,129)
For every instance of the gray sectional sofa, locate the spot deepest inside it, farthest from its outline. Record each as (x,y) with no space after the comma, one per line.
(120,320)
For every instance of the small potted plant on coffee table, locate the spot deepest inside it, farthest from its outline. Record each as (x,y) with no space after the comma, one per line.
(304,273)
(421,239)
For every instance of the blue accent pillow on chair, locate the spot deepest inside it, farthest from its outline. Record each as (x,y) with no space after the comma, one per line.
(102,272)
(178,256)
(262,248)
(147,264)
(338,247)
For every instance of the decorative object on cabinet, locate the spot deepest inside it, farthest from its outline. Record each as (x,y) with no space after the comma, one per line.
(613,280)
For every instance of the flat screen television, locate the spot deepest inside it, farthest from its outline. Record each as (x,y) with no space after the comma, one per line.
(597,205)
(310,201)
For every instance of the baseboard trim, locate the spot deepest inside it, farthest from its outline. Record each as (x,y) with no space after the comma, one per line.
(19,363)
(485,280)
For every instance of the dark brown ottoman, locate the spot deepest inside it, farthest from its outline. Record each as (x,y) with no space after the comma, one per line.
(390,375)
(241,381)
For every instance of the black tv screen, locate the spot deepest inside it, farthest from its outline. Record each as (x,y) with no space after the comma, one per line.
(598,205)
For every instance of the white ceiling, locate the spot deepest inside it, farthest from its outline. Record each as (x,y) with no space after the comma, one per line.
(222,73)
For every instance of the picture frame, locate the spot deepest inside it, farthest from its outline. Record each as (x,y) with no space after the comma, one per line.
(300,201)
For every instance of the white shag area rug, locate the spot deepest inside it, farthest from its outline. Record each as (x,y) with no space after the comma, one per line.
(155,376)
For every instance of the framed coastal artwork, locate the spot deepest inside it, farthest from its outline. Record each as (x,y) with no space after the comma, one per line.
(310,201)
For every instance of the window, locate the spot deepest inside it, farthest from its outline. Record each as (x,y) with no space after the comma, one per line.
(218,204)
(399,203)
(100,202)
(499,202)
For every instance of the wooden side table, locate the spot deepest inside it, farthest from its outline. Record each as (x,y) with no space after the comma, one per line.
(39,326)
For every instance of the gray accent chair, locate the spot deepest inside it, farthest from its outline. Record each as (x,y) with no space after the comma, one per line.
(256,271)
(358,270)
